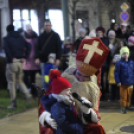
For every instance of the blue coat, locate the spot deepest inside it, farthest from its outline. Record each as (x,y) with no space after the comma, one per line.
(63,114)
(124,72)
(48,68)
(15,46)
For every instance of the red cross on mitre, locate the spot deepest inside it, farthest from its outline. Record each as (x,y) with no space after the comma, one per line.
(91,55)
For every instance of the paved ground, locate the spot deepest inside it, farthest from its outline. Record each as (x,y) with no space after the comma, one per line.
(113,121)
(27,122)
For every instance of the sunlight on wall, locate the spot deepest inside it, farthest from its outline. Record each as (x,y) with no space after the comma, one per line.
(56,18)
(23,17)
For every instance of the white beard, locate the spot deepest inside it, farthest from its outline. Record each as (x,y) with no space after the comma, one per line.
(89,89)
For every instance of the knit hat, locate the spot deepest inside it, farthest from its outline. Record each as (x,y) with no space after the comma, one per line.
(10,28)
(82,30)
(92,34)
(124,50)
(111,34)
(117,57)
(59,83)
(100,29)
(131,39)
(52,55)
(91,55)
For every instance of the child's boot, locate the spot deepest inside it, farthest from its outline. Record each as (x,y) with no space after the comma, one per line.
(123,110)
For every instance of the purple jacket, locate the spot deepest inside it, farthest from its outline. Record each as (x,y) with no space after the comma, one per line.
(30,62)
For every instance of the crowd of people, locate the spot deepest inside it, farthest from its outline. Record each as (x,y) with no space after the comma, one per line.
(115,38)
(29,53)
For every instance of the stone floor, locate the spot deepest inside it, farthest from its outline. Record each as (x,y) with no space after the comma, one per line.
(27,122)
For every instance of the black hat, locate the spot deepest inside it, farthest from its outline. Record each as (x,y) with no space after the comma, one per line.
(10,28)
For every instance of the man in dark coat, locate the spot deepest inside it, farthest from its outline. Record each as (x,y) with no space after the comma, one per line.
(48,42)
(17,51)
(100,34)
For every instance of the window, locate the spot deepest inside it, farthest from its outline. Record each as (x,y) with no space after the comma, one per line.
(23,17)
(56,18)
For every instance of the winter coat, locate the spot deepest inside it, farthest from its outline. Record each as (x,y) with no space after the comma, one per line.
(65,117)
(30,62)
(76,44)
(124,72)
(131,49)
(66,49)
(119,33)
(116,48)
(48,68)
(15,46)
(111,78)
(106,42)
(131,33)
(52,46)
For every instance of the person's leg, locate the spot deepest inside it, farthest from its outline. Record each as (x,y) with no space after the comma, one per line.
(21,83)
(113,91)
(132,99)
(42,67)
(26,78)
(10,75)
(123,98)
(117,93)
(129,95)
(32,80)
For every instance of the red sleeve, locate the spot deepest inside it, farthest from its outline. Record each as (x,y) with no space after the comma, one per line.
(40,106)
(48,129)
(97,108)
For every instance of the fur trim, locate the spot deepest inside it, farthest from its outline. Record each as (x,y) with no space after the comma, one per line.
(42,118)
(89,90)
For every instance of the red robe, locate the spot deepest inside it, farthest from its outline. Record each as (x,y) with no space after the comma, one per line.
(91,128)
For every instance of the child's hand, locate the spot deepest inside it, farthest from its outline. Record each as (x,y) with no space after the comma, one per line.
(119,84)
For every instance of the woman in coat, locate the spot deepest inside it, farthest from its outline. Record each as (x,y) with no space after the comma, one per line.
(29,67)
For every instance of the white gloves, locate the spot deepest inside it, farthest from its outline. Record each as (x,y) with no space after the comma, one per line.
(64,98)
(83,108)
(87,110)
(46,117)
(94,117)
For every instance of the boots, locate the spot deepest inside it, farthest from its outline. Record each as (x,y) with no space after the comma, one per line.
(13,105)
(123,110)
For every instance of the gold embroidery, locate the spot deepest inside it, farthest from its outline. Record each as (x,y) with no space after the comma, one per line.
(86,68)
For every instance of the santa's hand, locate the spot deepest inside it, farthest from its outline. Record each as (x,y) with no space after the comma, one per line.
(46,119)
(86,101)
(51,121)
(84,108)
(91,117)
(64,98)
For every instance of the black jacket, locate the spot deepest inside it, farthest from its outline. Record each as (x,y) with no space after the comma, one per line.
(15,46)
(52,46)
(106,43)
(131,52)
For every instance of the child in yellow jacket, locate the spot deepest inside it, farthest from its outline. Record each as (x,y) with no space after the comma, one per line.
(111,79)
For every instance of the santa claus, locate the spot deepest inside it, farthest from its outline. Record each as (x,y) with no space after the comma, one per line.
(91,55)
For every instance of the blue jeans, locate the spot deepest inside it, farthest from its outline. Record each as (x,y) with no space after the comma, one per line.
(44,85)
